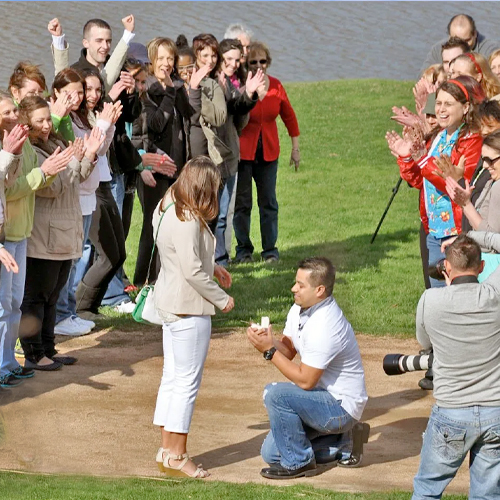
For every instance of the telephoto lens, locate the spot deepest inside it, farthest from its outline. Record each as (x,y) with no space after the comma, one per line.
(437,271)
(396,364)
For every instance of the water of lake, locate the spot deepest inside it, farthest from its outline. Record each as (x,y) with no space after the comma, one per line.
(309,41)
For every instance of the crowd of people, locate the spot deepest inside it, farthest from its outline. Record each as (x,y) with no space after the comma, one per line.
(188,128)
(450,151)
(111,124)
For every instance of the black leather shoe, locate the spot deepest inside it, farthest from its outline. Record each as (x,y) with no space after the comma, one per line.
(360,435)
(65,360)
(44,368)
(277,471)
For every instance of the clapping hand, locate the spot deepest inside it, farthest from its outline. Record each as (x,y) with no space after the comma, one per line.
(93,142)
(128,80)
(13,141)
(161,164)
(420,91)
(447,169)
(198,75)
(110,112)
(404,116)
(398,146)
(57,161)
(78,148)
(62,105)
(457,193)
(254,82)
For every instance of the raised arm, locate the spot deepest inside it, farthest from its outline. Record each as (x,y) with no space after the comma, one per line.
(59,47)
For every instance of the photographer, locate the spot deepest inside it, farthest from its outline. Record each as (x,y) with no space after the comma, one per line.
(462,323)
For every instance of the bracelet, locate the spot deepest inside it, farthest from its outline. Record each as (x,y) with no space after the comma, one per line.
(296,149)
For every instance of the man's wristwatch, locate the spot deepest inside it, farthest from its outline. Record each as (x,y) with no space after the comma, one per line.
(268,355)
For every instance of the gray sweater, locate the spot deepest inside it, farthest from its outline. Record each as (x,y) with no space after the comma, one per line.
(484,46)
(462,323)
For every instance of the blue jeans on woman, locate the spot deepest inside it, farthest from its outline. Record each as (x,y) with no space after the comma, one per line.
(11,298)
(221,255)
(66,303)
(435,255)
(451,434)
(304,424)
(264,174)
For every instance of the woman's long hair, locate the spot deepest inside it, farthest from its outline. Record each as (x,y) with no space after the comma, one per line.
(233,44)
(65,77)
(87,72)
(478,65)
(207,40)
(196,190)
(27,107)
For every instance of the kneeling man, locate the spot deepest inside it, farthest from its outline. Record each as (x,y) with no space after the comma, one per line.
(312,418)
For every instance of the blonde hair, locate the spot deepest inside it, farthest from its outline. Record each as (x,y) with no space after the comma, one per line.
(489,81)
(431,74)
(154,45)
(196,190)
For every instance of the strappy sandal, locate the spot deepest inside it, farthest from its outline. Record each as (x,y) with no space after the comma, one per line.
(160,458)
(170,471)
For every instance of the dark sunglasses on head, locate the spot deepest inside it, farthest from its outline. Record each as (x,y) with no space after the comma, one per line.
(489,161)
(253,62)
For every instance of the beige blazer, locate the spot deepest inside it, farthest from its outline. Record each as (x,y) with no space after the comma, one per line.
(185,284)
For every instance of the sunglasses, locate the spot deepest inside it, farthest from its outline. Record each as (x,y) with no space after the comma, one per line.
(253,62)
(489,161)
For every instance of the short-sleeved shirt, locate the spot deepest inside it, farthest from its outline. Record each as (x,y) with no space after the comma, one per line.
(325,340)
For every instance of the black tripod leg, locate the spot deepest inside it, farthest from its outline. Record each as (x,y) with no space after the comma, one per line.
(395,189)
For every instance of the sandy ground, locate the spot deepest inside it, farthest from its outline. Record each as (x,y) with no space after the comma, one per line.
(96,417)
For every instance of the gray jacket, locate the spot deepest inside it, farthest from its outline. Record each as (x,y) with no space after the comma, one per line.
(484,46)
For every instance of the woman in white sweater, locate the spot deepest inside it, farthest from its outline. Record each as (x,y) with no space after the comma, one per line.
(186,297)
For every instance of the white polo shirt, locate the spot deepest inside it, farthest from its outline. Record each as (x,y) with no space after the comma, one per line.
(325,340)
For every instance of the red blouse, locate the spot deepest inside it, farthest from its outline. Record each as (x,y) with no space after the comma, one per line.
(263,120)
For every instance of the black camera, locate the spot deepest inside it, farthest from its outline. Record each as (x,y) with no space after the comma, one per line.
(437,271)
(396,364)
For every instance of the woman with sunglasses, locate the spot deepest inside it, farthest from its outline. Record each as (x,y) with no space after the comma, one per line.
(455,136)
(259,152)
(484,214)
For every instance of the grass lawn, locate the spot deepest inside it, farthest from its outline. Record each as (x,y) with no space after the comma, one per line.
(331,207)
(36,487)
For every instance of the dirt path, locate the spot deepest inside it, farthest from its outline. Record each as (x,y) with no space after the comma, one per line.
(95,417)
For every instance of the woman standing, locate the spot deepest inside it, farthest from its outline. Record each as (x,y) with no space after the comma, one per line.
(240,101)
(186,297)
(456,136)
(57,234)
(259,151)
(167,114)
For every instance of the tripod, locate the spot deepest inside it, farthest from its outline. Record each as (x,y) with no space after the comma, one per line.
(395,189)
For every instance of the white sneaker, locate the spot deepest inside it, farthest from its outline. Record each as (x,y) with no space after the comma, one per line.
(85,323)
(125,307)
(71,328)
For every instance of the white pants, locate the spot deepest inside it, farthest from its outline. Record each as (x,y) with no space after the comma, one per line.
(185,348)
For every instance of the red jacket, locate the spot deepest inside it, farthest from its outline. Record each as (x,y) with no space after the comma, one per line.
(263,119)
(414,173)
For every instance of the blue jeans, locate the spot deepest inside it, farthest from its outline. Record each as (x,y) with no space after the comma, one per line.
(66,303)
(221,256)
(303,424)
(11,298)
(450,435)
(264,175)
(435,255)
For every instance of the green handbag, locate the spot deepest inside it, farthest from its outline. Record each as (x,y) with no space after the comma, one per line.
(144,310)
